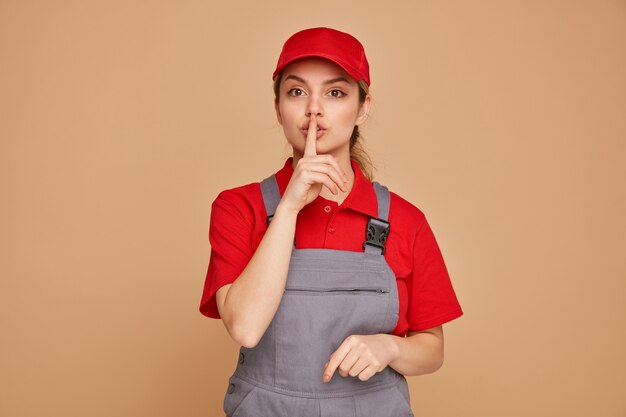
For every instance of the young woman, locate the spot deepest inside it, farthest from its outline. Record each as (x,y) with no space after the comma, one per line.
(334,286)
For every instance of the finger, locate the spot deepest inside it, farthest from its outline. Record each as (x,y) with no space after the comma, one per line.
(311,138)
(359,363)
(326,168)
(332,161)
(340,177)
(367,373)
(358,367)
(321,178)
(345,367)
(335,360)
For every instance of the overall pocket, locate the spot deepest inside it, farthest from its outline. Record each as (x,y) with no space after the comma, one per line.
(237,394)
(311,323)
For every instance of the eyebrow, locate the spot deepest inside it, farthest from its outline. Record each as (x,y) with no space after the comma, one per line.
(331,81)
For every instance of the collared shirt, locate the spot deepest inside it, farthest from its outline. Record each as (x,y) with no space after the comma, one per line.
(238,223)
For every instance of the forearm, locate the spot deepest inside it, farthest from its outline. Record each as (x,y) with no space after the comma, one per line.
(419,353)
(254,297)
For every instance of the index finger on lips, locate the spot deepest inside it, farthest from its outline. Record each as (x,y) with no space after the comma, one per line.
(311,138)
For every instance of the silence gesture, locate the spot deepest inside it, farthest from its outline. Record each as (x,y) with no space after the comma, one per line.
(312,172)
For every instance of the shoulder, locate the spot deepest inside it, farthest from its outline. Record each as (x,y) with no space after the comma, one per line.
(403,214)
(244,201)
(240,194)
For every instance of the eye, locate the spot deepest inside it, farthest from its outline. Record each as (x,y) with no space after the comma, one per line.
(337,93)
(295,92)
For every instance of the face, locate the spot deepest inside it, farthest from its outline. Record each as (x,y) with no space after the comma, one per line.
(321,87)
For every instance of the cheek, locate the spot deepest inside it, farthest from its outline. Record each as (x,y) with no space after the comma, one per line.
(290,119)
(288,115)
(350,117)
(347,116)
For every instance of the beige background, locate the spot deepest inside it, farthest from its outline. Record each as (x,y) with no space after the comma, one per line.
(120,121)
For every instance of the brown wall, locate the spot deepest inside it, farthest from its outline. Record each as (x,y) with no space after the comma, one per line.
(120,121)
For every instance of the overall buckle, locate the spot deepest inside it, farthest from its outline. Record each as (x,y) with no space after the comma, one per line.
(376,233)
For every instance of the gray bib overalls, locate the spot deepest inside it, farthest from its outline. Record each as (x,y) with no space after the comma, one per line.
(330,294)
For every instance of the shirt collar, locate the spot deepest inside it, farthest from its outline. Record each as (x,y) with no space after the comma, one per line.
(362,197)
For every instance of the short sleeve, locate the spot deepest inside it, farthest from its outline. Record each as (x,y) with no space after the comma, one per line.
(432,300)
(230,231)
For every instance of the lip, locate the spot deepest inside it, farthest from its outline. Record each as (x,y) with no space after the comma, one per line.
(320,132)
(306,126)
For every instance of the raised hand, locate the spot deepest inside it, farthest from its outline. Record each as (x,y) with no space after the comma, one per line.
(311,173)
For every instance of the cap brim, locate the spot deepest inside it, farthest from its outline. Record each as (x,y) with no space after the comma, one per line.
(351,71)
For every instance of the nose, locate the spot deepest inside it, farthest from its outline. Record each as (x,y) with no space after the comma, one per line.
(314,106)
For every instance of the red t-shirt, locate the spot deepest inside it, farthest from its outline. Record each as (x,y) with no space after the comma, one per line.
(238,223)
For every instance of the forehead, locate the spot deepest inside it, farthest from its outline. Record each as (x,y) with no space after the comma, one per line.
(316,69)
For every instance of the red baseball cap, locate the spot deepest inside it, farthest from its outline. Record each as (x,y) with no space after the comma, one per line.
(340,47)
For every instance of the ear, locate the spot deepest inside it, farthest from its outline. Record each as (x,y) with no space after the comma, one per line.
(278,116)
(364,110)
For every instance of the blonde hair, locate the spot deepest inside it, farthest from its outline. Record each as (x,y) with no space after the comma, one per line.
(357,149)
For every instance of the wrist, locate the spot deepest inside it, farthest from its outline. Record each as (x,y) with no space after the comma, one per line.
(284,211)
(393,343)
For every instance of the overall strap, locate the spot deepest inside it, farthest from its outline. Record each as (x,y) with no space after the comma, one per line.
(271,198)
(377,229)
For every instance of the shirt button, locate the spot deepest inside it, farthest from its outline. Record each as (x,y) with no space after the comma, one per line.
(327,209)
(331,229)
